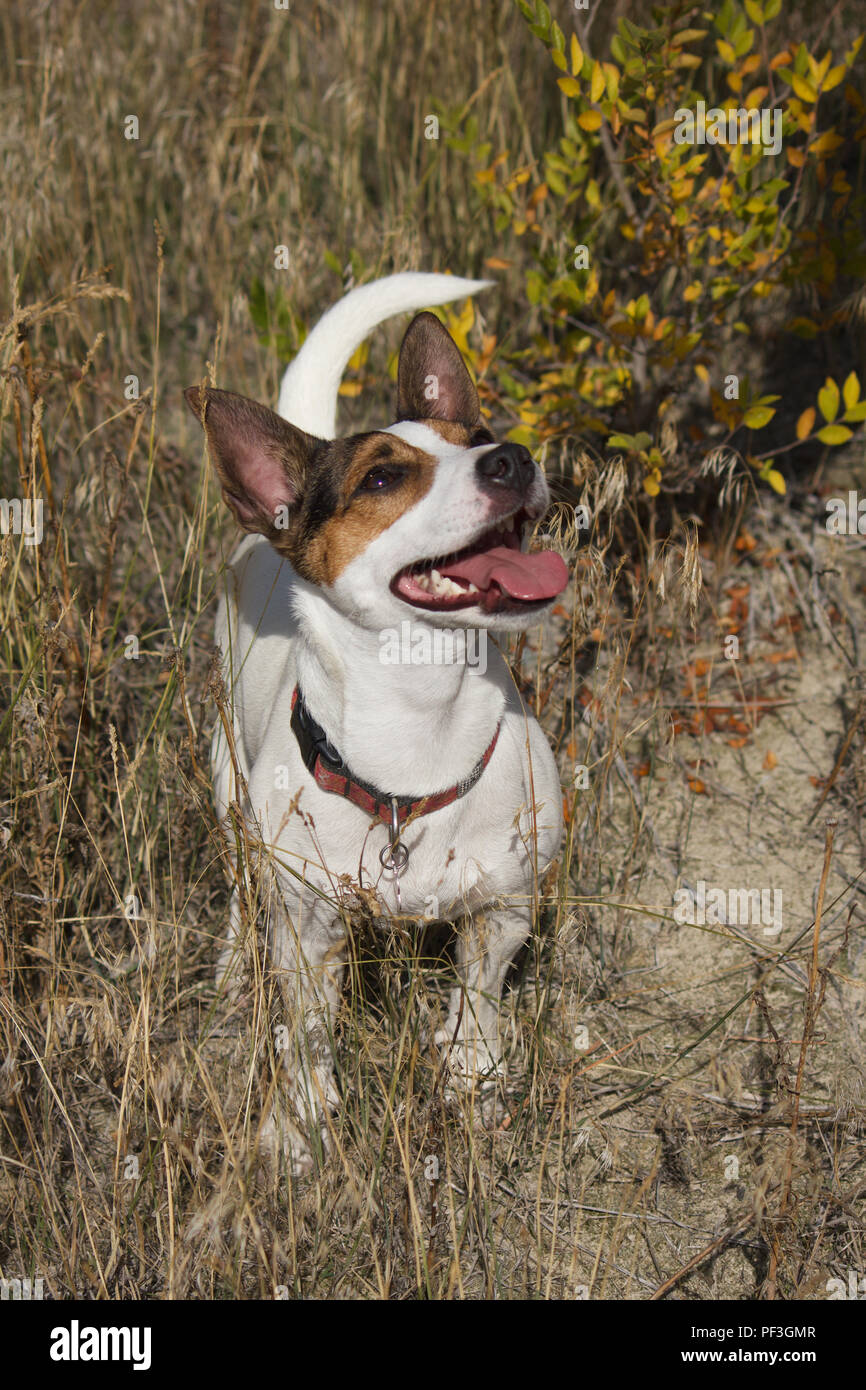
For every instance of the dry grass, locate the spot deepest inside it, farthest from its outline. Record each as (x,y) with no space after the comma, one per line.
(130,1090)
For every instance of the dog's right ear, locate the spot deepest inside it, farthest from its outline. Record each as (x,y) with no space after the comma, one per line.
(261,459)
(432,380)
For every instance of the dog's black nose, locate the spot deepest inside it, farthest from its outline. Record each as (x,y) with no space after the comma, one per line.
(509,465)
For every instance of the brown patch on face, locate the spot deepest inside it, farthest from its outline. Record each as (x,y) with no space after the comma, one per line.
(339,520)
(450,430)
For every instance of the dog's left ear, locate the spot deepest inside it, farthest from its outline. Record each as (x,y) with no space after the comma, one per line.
(432,380)
(261,459)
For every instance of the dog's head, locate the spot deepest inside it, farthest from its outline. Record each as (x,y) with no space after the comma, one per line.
(426,519)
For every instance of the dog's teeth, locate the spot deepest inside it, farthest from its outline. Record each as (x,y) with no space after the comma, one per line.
(472,589)
(435,576)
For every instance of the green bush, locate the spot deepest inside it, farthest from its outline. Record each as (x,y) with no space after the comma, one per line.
(653,260)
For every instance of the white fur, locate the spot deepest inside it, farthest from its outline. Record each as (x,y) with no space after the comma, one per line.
(308,394)
(406,729)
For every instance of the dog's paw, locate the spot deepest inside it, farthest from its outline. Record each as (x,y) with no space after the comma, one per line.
(282,1139)
(296,1130)
(472,1064)
(230,976)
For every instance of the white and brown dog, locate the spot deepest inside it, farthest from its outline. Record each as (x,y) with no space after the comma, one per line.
(427,782)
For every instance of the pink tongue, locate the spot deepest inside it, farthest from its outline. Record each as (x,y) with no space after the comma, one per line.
(527,577)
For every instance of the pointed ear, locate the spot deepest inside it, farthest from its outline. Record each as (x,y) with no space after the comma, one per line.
(260,458)
(432,380)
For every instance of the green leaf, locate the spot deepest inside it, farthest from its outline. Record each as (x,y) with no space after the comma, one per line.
(856,413)
(776,481)
(621,441)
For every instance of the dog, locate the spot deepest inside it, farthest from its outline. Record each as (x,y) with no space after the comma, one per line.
(428,783)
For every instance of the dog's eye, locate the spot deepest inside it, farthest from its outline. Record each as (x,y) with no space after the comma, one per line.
(378,479)
(480,437)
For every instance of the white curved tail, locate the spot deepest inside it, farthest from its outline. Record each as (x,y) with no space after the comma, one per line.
(308,395)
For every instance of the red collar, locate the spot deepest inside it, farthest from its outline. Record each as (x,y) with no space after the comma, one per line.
(324,762)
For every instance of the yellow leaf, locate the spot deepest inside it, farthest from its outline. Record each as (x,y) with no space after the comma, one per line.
(576,56)
(818,69)
(805,91)
(726,51)
(797,158)
(833,78)
(757,416)
(687,36)
(828,400)
(755,13)
(589,120)
(826,143)
(350,388)
(650,486)
(523,435)
(701,372)
(805,423)
(569,86)
(776,481)
(597,85)
(851,390)
(835,434)
(694,291)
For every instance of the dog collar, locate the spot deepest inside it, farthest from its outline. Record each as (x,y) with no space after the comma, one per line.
(324,762)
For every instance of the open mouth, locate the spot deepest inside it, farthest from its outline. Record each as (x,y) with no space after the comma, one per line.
(493,573)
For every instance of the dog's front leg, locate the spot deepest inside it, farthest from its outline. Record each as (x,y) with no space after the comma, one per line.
(486,945)
(309,948)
